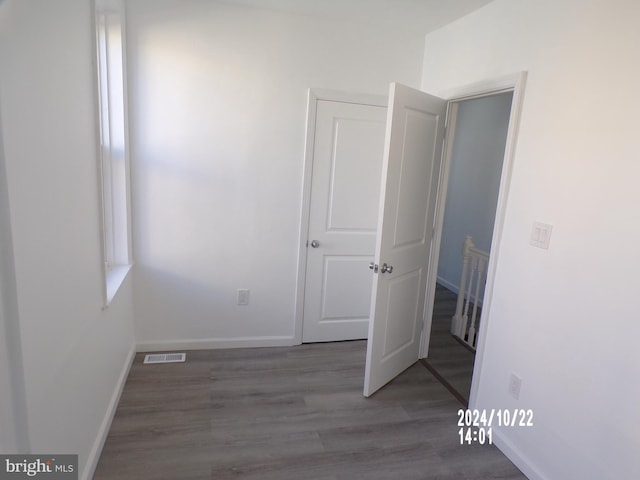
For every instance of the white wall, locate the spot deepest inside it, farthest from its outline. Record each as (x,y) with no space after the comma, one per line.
(13,422)
(74,353)
(218,112)
(565,319)
(474,181)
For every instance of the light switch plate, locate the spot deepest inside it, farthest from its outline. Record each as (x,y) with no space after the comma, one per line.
(540,235)
(515,383)
(243,296)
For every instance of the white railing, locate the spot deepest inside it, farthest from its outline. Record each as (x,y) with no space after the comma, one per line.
(472,280)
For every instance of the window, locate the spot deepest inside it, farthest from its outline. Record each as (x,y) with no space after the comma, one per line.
(113,144)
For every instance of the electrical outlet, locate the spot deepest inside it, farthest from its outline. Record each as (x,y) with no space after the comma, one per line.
(243,297)
(515,382)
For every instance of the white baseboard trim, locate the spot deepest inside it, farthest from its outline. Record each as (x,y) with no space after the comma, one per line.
(447,284)
(105,426)
(215,343)
(456,288)
(517,457)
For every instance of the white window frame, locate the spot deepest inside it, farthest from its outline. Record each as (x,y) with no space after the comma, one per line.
(113,147)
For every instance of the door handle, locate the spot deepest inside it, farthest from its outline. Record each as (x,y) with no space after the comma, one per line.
(315,243)
(383,269)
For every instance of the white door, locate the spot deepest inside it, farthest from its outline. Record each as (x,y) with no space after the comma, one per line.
(413,150)
(343,218)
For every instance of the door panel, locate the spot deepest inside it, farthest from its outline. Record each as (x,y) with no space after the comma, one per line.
(350,270)
(356,163)
(409,229)
(403,299)
(345,194)
(413,149)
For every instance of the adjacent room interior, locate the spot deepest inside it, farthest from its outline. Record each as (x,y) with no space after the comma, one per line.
(471,198)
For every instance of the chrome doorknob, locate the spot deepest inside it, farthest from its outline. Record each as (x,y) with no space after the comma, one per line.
(386,268)
(315,243)
(374,267)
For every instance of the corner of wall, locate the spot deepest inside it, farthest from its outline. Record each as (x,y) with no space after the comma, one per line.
(105,425)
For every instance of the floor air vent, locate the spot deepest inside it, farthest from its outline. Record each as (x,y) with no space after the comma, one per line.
(165,357)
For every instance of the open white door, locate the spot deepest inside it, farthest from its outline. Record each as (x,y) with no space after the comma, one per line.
(410,173)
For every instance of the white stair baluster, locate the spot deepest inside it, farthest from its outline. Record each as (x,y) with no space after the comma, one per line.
(456,321)
(474,269)
(472,327)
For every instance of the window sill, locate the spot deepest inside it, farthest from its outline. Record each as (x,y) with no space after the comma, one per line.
(115,278)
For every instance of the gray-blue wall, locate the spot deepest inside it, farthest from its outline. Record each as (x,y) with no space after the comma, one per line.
(474,180)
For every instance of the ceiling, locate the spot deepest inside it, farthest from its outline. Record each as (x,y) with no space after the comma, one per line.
(416,15)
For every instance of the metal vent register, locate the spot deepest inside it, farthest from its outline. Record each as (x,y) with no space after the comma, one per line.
(165,357)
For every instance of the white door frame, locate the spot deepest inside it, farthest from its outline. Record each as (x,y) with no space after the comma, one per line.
(315,95)
(516,84)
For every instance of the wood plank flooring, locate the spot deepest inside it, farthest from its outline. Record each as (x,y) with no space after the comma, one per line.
(288,414)
(448,356)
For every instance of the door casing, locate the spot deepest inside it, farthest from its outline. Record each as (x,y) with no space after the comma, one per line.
(516,84)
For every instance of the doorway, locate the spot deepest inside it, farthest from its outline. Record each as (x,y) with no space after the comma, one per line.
(472,188)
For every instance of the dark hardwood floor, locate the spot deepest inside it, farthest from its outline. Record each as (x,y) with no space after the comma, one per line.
(450,359)
(288,413)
